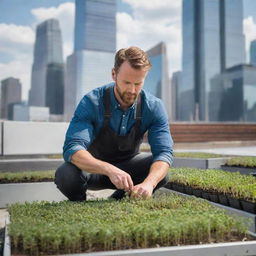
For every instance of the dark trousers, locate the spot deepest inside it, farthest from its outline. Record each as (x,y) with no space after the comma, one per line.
(73,182)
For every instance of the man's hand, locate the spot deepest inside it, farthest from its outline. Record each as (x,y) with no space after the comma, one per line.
(142,190)
(121,179)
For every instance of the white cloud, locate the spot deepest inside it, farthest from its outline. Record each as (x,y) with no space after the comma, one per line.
(152,22)
(250,33)
(16,43)
(15,40)
(65,14)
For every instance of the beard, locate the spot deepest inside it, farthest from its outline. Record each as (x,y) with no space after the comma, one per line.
(127,97)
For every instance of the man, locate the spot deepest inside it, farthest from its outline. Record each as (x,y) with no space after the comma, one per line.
(101,148)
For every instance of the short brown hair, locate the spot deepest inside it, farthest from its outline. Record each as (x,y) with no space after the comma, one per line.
(136,57)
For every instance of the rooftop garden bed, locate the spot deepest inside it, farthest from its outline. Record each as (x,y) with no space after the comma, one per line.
(197,155)
(243,161)
(215,182)
(68,227)
(22,177)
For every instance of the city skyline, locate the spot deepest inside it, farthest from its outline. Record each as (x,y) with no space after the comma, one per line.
(143,23)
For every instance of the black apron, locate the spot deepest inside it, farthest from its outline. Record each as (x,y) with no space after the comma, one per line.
(111,147)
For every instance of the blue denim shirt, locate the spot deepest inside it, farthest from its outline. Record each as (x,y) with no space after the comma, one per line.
(89,115)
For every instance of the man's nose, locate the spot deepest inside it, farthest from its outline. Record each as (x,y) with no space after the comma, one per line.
(132,88)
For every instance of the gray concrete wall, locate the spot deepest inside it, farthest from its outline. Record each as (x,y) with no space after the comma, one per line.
(32,138)
(1,138)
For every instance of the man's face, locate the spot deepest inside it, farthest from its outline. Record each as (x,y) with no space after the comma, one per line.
(129,82)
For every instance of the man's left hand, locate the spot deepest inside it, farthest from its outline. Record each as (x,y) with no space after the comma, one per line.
(142,190)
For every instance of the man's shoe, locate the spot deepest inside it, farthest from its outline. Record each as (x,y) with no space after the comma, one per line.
(118,194)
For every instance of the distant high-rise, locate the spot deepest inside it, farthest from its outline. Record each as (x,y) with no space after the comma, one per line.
(94,50)
(213,40)
(157,81)
(47,51)
(175,85)
(233,94)
(253,53)
(10,94)
(55,88)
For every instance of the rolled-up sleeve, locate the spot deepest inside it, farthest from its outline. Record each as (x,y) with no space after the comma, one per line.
(80,131)
(159,136)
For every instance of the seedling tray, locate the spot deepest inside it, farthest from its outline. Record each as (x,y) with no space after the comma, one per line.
(250,216)
(234,248)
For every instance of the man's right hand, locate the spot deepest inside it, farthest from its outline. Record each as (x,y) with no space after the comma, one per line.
(121,179)
(85,161)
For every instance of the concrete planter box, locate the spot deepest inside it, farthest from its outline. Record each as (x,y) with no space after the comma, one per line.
(220,249)
(22,192)
(32,164)
(242,170)
(210,163)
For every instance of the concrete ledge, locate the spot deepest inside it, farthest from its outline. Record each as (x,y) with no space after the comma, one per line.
(39,191)
(38,164)
(210,163)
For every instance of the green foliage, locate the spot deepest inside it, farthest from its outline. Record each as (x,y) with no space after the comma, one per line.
(196,155)
(232,183)
(243,161)
(32,176)
(70,227)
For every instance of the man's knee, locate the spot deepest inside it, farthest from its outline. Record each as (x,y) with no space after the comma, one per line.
(70,181)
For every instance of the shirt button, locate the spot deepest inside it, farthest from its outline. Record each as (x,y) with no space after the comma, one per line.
(123,127)
(123,115)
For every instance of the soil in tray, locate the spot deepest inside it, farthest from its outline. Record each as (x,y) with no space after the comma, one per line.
(248,206)
(178,187)
(197,192)
(189,190)
(235,203)
(214,197)
(223,199)
(2,234)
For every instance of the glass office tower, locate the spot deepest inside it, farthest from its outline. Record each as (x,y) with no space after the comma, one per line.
(94,50)
(253,53)
(10,94)
(47,50)
(233,94)
(213,40)
(157,81)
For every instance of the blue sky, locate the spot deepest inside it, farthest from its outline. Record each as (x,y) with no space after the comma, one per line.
(139,22)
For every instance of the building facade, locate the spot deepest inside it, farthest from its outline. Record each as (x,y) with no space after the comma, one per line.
(233,94)
(47,55)
(10,94)
(213,40)
(157,81)
(55,88)
(253,53)
(175,85)
(94,49)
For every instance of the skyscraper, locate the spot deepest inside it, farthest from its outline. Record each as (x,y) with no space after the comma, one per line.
(175,85)
(55,88)
(47,50)
(213,40)
(10,94)
(253,53)
(157,81)
(94,50)
(233,94)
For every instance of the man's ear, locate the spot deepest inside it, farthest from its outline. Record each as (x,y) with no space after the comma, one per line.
(113,74)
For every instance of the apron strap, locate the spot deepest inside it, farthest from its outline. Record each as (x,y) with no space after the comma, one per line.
(107,113)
